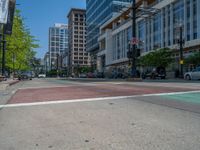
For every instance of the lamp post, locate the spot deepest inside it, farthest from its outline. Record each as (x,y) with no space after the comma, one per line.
(181,42)
(3,47)
(3,54)
(57,65)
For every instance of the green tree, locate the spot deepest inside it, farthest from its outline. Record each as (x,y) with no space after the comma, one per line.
(193,59)
(20,46)
(156,58)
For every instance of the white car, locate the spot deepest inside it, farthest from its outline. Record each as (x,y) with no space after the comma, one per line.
(41,75)
(193,75)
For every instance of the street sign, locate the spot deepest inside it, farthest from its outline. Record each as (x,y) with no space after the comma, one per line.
(3,11)
(135,41)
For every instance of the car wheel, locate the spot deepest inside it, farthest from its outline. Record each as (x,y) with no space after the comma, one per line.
(188,77)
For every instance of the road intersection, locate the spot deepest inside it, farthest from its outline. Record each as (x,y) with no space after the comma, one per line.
(62,114)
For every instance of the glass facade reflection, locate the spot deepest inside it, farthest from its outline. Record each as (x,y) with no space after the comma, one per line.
(98,12)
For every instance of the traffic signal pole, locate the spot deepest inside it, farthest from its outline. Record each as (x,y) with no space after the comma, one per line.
(133,67)
(181,42)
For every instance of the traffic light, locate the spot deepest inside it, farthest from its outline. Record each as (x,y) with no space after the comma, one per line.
(130,54)
(137,54)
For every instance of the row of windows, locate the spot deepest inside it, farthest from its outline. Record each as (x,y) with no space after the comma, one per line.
(79,45)
(79,41)
(80,15)
(81,58)
(80,62)
(175,21)
(80,36)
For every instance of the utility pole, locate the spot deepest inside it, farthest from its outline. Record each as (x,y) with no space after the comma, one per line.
(133,67)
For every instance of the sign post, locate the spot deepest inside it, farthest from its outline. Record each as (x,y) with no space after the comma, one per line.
(7,9)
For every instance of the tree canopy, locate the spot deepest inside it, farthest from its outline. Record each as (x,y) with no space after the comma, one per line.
(156,58)
(20,46)
(193,59)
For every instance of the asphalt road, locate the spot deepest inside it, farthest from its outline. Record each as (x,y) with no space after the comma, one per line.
(60,115)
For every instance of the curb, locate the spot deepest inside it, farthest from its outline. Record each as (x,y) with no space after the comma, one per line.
(134,79)
(14,82)
(3,86)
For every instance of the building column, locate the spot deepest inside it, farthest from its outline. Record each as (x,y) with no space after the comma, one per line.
(167,27)
(198,19)
(185,20)
(191,20)
(171,25)
(148,35)
(152,33)
(162,28)
(145,37)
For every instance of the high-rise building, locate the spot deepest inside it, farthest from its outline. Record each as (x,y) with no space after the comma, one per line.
(58,44)
(78,56)
(98,12)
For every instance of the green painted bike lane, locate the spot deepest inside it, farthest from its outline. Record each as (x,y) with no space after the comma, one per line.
(189,97)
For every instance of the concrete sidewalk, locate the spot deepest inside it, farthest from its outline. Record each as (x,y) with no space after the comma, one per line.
(7,83)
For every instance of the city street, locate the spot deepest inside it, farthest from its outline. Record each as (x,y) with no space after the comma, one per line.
(64,114)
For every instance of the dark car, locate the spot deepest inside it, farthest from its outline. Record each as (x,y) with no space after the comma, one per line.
(25,76)
(99,75)
(91,75)
(158,72)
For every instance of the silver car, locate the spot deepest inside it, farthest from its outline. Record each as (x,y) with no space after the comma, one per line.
(193,75)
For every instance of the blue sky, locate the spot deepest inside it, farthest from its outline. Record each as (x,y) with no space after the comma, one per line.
(41,14)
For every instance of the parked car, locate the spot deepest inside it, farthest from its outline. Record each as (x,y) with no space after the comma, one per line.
(193,75)
(41,75)
(91,75)
(25,76)
(83,75)
(158,72)
(99,75)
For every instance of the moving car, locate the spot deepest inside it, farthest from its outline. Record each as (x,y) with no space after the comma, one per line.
(193,75)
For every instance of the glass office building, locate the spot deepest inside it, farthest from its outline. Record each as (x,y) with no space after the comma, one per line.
(58,43)
(98,12)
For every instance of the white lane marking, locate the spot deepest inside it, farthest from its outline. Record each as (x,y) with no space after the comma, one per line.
(91,99)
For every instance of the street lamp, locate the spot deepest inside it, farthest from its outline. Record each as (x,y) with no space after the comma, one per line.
(181,42)
(57,64)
